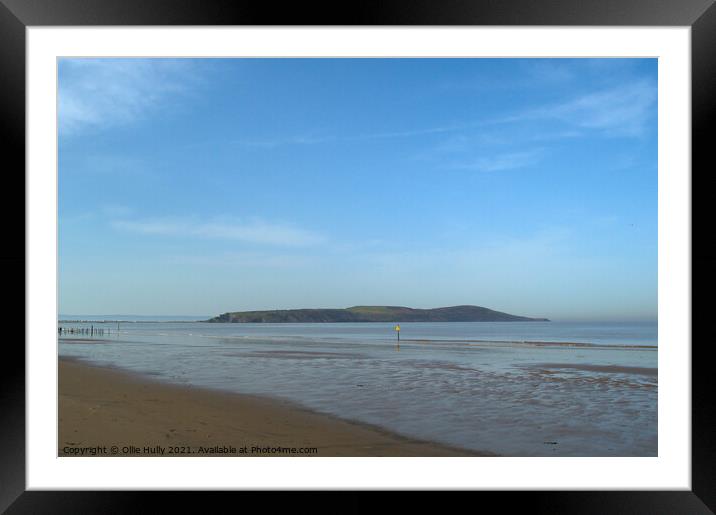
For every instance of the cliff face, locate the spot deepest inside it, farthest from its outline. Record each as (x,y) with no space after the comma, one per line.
(374,314)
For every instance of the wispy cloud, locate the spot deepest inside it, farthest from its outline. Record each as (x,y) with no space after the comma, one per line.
(278,142)
(245,259)
(500,162)
(247,231)
(625,110)
(622,111)
(96,93)
(508,253)
(313,140)
(410,133)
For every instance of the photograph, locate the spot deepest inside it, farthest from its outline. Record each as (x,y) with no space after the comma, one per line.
(357,257)
(437,249)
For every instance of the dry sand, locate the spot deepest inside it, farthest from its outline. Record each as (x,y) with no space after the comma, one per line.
(102,407)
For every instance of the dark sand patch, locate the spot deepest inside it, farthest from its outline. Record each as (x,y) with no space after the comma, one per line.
(609,369)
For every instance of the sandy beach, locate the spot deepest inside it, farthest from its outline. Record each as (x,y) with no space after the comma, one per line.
(110,412)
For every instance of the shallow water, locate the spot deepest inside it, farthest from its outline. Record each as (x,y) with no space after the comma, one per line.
(519,389)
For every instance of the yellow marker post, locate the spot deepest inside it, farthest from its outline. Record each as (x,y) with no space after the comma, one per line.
(397,330)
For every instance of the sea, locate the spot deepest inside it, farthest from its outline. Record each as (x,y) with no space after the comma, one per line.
(508,388)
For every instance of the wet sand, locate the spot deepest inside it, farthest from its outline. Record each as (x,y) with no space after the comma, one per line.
(102,407)
(609,369)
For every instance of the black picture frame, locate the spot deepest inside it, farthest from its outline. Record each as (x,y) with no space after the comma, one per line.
(16,15)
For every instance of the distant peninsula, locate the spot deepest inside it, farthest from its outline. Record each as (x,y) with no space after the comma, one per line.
(372,314)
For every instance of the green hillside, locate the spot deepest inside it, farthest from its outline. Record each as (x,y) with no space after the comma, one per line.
(373,314)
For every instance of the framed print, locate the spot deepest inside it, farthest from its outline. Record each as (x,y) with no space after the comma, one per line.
(443,248)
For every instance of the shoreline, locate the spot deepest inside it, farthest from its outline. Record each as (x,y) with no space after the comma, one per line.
(467,342)
(100,407)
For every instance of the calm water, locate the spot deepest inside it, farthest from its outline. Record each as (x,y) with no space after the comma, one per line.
(517,388)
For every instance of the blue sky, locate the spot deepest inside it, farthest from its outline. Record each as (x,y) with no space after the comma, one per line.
(196,187)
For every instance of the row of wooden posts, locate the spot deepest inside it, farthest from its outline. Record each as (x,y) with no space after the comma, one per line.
(92,331)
